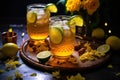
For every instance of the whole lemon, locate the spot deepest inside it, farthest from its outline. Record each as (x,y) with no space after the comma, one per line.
(114,42)
(98,33)
(9,49)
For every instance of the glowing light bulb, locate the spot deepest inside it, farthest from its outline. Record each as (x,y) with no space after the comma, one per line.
(106,24)
(109,31)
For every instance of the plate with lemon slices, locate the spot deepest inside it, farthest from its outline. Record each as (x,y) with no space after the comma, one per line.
(87,55)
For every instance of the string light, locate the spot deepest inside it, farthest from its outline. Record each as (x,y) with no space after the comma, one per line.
(106,24)
(109,31)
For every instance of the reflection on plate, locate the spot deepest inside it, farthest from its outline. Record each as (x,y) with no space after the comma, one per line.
(73,62)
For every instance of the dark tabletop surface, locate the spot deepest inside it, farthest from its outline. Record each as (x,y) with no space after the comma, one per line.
(100,73)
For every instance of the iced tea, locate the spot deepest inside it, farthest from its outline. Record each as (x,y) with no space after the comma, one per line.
(62,36)
(37,22)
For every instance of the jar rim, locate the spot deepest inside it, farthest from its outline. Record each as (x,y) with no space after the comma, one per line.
(36,5)
(60,17)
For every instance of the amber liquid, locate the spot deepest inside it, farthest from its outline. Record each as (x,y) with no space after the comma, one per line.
(66,47)
(40,29)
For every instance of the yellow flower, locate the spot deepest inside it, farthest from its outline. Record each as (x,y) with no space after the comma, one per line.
(73,5)
(56,74)
(78,76)
(91,5)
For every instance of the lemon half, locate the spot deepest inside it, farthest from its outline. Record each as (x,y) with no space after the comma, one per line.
(43,56)
(104,48)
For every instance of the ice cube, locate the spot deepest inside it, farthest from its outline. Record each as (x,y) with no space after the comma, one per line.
(66,27)
(65,21)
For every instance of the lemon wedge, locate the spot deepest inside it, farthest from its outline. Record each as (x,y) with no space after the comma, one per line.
(31,17)
(77,20)
(51,7)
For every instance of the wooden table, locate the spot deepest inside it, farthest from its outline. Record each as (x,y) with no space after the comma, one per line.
(100,73)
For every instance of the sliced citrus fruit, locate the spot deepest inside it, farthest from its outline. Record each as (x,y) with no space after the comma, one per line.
(104,48)
(51,7)
(77,20)
(43,56)
(31,17)
(56,35)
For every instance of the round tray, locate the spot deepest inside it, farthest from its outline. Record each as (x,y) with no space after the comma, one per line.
(61,63)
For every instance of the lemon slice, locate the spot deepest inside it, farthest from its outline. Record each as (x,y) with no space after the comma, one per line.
(104,48)
(56,35)
(31,17)
(77,20)
(43,56)
(51,7)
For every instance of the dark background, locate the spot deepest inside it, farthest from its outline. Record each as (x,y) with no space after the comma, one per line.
(14,12)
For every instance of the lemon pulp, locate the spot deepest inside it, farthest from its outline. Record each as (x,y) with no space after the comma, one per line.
(43,54)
